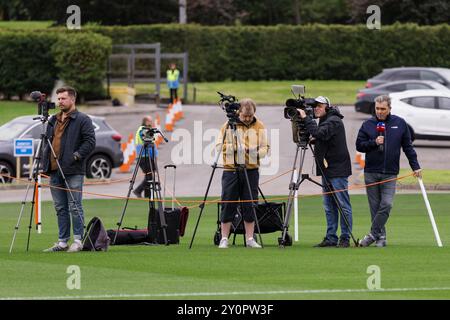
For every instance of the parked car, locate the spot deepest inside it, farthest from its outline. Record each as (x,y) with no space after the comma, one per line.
(99,164)
(441,75)
(426,111)
(365,97)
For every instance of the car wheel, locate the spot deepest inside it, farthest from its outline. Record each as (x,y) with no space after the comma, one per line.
(7,171)
(99,167)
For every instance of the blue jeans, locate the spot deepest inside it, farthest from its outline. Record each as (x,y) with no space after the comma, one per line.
(66,208)
(380,198)
(332,212)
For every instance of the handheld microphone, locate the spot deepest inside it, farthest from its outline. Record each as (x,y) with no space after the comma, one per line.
(381,128)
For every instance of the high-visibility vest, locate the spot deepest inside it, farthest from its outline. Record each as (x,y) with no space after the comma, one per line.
(172,78)
(140,143)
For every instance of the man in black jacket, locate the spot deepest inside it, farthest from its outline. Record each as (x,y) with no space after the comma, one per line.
(333,161)
(72,137)
(381,138)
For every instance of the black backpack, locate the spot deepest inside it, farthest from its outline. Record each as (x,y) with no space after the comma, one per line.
(96,238)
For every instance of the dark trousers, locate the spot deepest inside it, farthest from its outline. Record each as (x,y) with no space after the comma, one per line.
(146,182)
(173,94)
(381,197)
(234,187)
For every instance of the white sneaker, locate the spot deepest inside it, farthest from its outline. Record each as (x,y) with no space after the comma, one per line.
(59,246)
(76,246)
(223,243)
(251,243)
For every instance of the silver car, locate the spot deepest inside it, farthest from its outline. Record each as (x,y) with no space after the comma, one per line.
(106,155)
(440,75)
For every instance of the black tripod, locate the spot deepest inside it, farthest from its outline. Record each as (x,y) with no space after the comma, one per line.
(153,189)
(34,172)
(231,125)
(302,146)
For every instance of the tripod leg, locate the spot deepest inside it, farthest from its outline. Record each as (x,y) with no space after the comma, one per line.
(156,194)
(16,228)
(330,189)
(262,195)
(340,210)
(293,187)
(31,218)
(253,205)
(133,179)
(202,205)
(77,210)
(35,170)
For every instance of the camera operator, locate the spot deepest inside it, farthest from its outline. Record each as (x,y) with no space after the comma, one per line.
(72,136)
(144,163)
(382,148)
(253,141)
(332,156)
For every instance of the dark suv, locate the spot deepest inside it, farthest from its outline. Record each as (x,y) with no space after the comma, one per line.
(440,75)
(106,155)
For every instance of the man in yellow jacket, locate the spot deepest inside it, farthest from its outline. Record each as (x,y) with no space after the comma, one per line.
(244,150)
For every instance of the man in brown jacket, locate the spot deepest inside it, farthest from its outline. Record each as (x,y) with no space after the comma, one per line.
(247,153)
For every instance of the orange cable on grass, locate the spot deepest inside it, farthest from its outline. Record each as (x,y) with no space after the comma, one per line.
(218,199)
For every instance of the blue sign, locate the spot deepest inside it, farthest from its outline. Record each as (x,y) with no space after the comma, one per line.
(23,147)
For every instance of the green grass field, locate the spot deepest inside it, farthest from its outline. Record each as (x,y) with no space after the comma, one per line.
(12,109)
(412,266)
(265,92)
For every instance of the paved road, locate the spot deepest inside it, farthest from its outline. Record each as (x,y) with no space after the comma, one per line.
(194,135)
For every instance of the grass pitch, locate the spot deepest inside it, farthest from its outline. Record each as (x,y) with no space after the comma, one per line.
(411,267)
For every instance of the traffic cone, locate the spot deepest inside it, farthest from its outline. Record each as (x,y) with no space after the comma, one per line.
(169,119)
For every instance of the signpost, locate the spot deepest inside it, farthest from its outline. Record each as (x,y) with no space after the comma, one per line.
(22,148)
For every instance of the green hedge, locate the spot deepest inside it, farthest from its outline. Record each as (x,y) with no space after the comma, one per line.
(81,61)
(33,60)
(293,52)
(26,63)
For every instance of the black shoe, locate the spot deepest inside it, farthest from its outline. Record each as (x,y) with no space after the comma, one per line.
(343,243)
(325,243)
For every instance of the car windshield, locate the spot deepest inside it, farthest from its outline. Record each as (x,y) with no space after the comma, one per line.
(445,73)
(12,130)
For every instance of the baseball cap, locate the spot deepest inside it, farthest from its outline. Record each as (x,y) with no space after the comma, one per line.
(322,99)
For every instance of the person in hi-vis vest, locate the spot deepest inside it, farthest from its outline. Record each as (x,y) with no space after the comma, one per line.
(144,163)
(173,75)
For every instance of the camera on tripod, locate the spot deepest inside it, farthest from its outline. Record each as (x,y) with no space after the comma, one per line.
(230,105)
(292,105)
(148,134)
(43,104)
(300,135)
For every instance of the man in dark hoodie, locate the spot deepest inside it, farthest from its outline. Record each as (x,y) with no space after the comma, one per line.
(382,148)
(333,161)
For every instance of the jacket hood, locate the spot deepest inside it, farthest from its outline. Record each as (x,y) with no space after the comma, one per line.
(334,111)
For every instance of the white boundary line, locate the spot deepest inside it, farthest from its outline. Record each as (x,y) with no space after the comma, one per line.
(232,293)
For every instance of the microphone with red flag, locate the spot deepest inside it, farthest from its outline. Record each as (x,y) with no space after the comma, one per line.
(381,128)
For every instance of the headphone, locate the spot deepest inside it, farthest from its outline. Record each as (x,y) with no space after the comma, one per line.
(328,104)
(328,107)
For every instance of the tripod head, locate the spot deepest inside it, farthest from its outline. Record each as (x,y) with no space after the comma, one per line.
(43,104)
(300,135)
(231,107)
(148,135)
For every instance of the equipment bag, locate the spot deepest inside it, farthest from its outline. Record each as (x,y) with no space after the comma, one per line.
(176,218)
(128,236)
(96,238)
